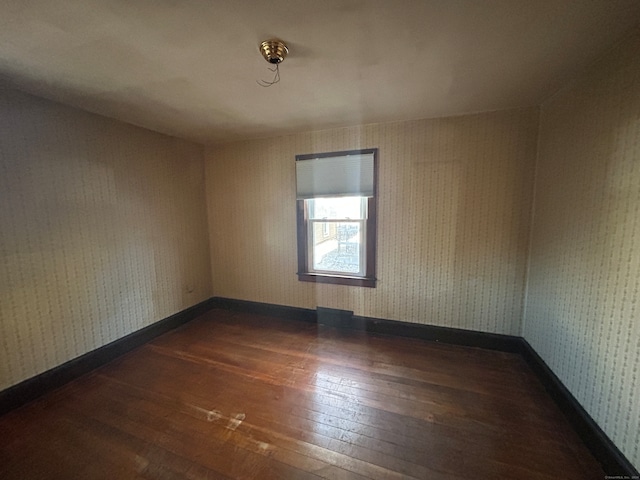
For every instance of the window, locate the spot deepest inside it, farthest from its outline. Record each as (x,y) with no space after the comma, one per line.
(336,205)
(342,249)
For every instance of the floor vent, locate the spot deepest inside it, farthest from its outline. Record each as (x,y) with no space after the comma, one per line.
(332,317)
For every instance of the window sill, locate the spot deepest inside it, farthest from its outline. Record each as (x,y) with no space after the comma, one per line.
(337,279)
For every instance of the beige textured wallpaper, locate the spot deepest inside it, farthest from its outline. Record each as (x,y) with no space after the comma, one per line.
(453,226)
(583,312)
(102,232)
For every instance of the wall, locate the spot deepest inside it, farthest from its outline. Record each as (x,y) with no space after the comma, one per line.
(582,313)
(453,225)
(103,232)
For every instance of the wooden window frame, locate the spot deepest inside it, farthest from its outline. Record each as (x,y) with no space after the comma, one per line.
(302,216)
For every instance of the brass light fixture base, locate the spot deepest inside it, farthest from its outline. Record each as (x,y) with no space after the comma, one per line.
(274,51)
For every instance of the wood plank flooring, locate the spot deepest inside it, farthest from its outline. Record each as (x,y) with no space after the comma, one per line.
(237,396)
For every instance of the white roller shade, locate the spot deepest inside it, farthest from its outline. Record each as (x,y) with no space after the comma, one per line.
(349,175)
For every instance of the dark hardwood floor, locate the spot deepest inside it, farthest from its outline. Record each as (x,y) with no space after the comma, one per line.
(233,395)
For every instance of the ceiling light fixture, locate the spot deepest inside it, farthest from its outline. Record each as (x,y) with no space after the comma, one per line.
(274,51)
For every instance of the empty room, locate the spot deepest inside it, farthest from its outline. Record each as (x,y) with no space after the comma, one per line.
(345,239)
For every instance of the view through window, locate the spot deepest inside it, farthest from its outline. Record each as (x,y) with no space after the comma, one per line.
(337,234)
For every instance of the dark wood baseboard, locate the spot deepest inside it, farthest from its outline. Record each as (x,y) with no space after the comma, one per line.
(34,387)
(602,448)
(346,319)
(433,333)
(613,461)
(267,309)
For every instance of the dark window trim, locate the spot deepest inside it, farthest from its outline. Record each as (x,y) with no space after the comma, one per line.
(372,220)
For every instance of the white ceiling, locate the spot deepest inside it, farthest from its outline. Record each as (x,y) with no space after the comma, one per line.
(189,67)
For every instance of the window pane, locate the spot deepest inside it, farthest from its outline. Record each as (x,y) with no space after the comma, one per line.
(337,208)
(339,251)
